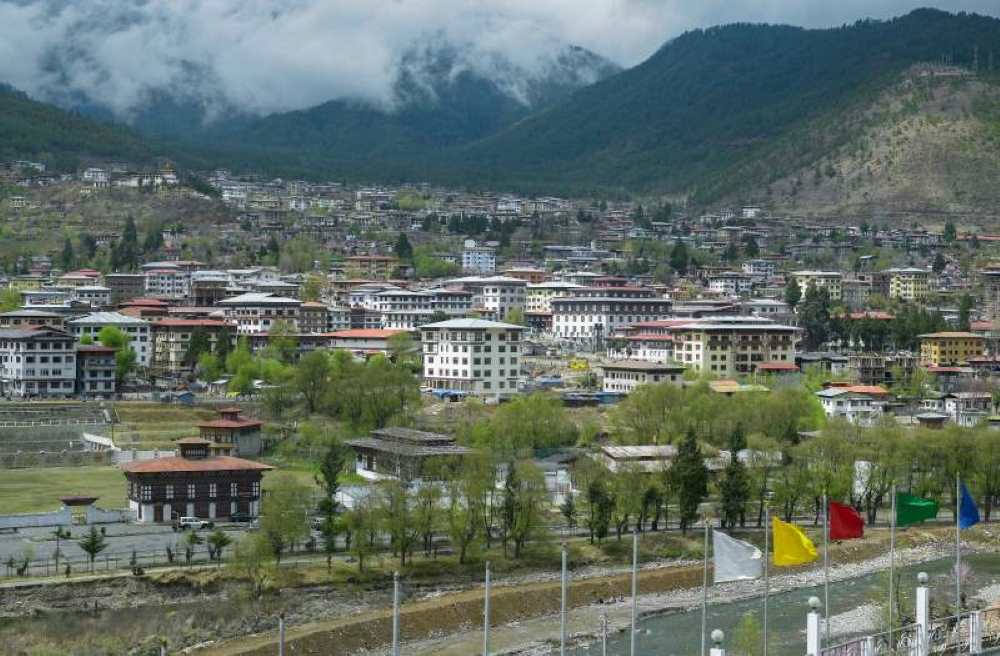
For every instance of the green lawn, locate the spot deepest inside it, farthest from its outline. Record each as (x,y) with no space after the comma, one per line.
(38,489)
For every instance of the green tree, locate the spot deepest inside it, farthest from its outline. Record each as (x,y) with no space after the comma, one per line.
(224,344)
(690,476)
(950,234)
(965,304)
(793,293)
(92,544)
(217,542)
(10,299)
(939,263)
(313,287)
(191,540)
(199,344)
(403,249)
(747,638)
(568,509)
(814,317)
(254,561)
(734,488)
(679,258)
(328,479)
(311,378)
(125,360)
(362,527)
(67,258)
(285,513)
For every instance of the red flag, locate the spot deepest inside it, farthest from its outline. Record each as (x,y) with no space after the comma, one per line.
(845,522)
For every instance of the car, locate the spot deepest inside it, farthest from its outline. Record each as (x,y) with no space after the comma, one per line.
(194,522)
(241,518)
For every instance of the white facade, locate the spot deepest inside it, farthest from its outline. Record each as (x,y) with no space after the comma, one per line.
(585,318)
(256,313)
(98,296)
(472,355)
(500,294)
(759,268)
(731,284)
(172,283)
(538,298)
(479,259)
(624,377)
(138,331)
(39,362)
(856,407)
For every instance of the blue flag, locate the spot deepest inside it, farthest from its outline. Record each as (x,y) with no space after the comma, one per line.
(968,513)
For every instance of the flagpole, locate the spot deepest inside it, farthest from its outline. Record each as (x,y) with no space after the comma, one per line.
(826,567)
(892,557)
(704,592)
(958,544)
(767,582)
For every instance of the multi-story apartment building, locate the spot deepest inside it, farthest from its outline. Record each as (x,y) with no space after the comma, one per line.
(908,284)
(759,268)
(372,267)
(989,277)
(95,370)
(137,331)
(98,296)
(627,375)
(538,297)
(729,346)
(950,348)
(478,259)
(472,355)
(254,313)
(593,318)
(168,282)
(731,283)
(125,286)
(172,337)
(498,294)
(31,319)
(313,317)
(37,362)
(828,280)
(858,404)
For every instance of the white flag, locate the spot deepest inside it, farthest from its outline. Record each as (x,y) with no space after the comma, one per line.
(735,560)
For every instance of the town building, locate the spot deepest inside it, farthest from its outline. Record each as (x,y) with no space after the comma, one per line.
(759,268)
(137,330)
(254,313)
(404,454)
(828,280)
(31,319)
(731,283)
(37,362)
(950,348)
(730,346)
(858,404)
(371,267)
(362,342)
(172,338)
(313,317)
(198,482)
(472,355)
(242,435)
(497,294)
(478,259)
(95,371)
(626,375)
(907,284)
(538,297)
(594,318)
(125,286)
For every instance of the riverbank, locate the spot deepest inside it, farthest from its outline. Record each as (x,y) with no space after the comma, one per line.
(526,615)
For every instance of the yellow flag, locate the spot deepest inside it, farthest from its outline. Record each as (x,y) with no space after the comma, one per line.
(791,546)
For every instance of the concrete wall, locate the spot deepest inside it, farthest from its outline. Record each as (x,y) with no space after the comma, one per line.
(97,515)
(62,517)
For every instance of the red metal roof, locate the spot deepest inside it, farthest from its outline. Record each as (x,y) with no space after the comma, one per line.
(190,323)
(369,333)
(179,464)
(230,423)
(777,366)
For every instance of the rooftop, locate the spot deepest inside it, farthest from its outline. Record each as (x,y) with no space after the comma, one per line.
(473,324)
(179,464)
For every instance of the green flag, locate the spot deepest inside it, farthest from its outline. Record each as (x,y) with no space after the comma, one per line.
(911,509)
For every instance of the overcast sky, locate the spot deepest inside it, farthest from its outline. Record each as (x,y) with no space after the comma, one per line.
(275,55)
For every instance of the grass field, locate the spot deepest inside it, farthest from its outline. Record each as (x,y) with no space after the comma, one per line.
(157,425)
(38,489)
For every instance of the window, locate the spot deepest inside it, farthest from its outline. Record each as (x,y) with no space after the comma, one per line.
(233,489)
(147,492)
(169,492)
(190,490)
(255,489)
(212,489)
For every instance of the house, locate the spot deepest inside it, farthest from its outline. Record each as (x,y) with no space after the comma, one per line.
(626,375)
(31,319)
(650,459)
(472,355)
(95,370)
(950,348)
(199,482)
(967,408)
(858,404)
(733,345)
(362,342)
(828,280)
(403,454)
(37,362)
(478,259)
(583,319)
(125,286)
(172,337)
(137,330)
(232,429)
(254,313)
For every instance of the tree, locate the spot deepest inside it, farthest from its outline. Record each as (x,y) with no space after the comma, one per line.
(199,344)
(950,234)
(731,254)
(403,249)
(568,510)
(217,543)
(10,299)
(523,504)
(112,337)
(747,640)
(191,540)
(397,517)
(253,560)
(814,317)
(312,287)
(751,249)
(690,476)
(328,478)
(793,293)
(92,544)
(734,488)
(965,304)
(67,258)
(679,258)
(125,360)
(362,527)
(939,263)
(224,344)
(311,379)
(285,513)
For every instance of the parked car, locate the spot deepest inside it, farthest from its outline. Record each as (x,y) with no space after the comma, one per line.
(241,518)
(194,522)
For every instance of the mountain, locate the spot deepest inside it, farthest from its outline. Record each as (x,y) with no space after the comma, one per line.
(38,131)
(727,109)
(443,96)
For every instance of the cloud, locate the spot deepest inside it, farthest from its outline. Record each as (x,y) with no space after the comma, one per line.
(274,55)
